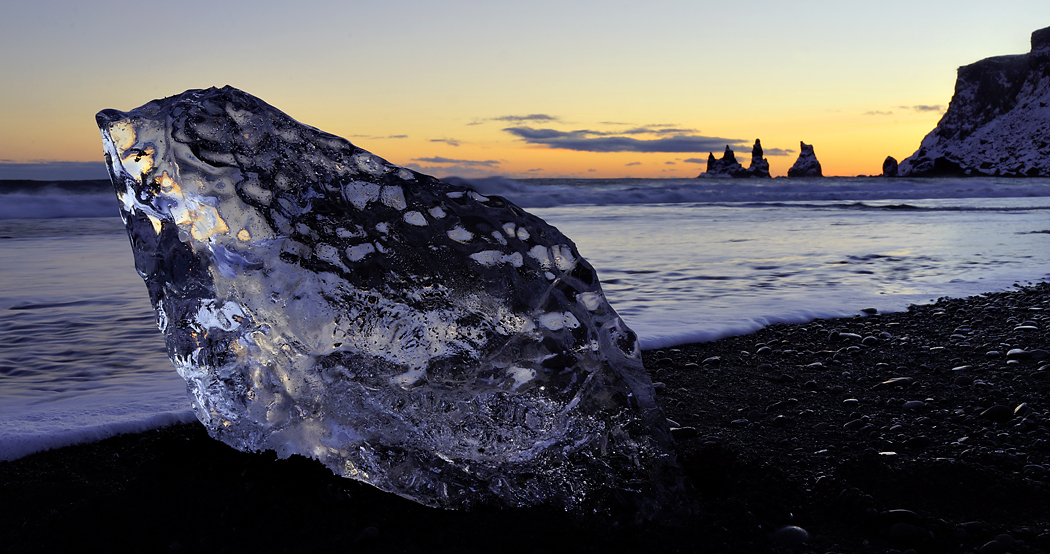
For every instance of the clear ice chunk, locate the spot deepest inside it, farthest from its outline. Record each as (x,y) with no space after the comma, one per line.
(415,335)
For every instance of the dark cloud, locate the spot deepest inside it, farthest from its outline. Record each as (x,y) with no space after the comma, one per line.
(373,137)
(53,171)
(517,118)
(876,112)
(776,151)
(466,163)
(520,118)
(596,141)
(695,160)
(669,163)
(924,108)
(656,130)
(450,142)
(633,163)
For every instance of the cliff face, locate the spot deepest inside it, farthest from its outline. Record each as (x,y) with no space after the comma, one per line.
(998,122)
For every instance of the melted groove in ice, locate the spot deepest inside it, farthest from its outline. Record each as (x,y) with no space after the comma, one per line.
(437,343)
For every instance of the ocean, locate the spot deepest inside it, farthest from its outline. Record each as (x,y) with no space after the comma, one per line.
(680,260)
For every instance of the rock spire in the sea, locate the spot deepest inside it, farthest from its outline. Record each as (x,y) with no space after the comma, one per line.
(998,121)
(759,166)
(889,167)
(434,342)
(806,165)
(727,166)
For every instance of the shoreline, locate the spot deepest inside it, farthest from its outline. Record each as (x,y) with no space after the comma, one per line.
(880,433)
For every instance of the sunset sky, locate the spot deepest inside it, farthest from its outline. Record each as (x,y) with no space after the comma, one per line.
(523,89)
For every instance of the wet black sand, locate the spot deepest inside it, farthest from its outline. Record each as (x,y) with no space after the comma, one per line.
(918,438)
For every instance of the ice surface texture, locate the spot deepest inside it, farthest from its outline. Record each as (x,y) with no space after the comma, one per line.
(434,342)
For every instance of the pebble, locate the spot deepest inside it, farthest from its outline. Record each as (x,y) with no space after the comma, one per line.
(854,424)
(913,405)
(765,350)
(992,354)
(963,380)
(997,412)
(791,535)
(869,341)
(895,382)
(712,361)
(992,547)
(869,311)
(898,515)
(682,433)
(1018,354)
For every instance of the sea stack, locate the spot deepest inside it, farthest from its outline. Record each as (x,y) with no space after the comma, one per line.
(806,165)
(889,167)
(434,342)
(727,166)
(759,166)
(998,121)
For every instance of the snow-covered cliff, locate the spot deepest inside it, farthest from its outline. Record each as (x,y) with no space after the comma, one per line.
(998,122)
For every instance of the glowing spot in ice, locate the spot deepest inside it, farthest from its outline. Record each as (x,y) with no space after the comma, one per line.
(227,317)
(590,300)
(521,376)
(539,253)
(198,212)
(369,164)
(460,234)
(478,197)
(563,257)
(357,253)
(489,258)
(523,234)
(360,193)
(553,320)
(415,218)
(405,174)
(437,212)
(244,235)
(155,222)
(394,197)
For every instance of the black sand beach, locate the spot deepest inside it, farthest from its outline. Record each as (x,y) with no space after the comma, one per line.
(922,431)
